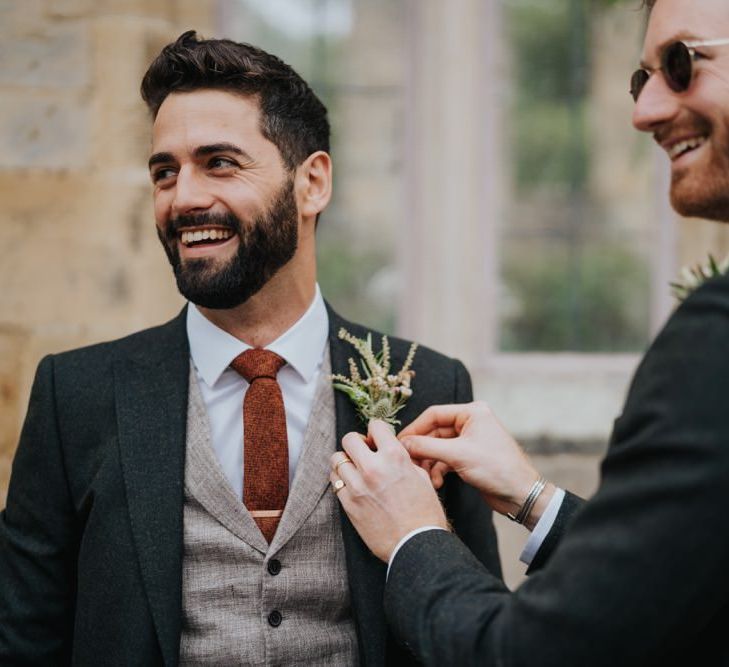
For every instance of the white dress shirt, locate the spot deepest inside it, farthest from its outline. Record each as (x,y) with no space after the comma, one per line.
(212,349)
(544,525)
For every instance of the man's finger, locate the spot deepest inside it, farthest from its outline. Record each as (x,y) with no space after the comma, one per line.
(355,448)
(437,474)
(347,472)
(425,447)
(437,421)
(383,435)
(338,486)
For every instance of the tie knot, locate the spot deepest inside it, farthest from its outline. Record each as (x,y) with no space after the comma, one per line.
(257,363)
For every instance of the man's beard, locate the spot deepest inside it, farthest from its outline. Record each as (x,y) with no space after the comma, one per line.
(702,191)
(264,246)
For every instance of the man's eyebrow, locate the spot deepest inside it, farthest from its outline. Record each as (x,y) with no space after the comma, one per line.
(680,36)
(224,147)
(158,158)
(201,151)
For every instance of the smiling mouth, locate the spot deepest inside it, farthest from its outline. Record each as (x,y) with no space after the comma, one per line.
(207,236)
(682,147)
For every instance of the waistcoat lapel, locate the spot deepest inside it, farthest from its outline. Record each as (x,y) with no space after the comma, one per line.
(205,479)
(150,384)
(312,471)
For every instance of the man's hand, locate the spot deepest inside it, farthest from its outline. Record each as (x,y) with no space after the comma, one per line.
(384,494)
(469,440)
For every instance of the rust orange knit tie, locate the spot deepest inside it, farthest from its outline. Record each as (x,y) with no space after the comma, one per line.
(266,449)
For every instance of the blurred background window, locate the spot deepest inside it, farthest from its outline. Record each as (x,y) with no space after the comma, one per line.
(576,238)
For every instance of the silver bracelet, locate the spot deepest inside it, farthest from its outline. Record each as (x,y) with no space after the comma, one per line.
(525,510)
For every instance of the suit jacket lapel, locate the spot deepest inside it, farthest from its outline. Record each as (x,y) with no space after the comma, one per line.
(151,388)
(366,571)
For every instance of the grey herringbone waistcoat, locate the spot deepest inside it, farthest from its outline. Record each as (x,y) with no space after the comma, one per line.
(245,602)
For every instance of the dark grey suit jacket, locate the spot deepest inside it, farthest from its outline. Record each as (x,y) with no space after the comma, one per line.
(639,576)
(91,538)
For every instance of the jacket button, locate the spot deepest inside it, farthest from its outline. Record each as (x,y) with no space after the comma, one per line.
(274,567)
(275,618)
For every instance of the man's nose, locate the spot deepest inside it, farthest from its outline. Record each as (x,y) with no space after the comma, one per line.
(656,105)
(191,193)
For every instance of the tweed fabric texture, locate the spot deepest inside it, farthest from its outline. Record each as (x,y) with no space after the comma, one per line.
(228,589)
(266,445)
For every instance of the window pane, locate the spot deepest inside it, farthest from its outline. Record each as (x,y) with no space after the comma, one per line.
(578,230)
(352,54)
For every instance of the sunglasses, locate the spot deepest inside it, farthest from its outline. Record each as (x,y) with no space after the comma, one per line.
(677,62)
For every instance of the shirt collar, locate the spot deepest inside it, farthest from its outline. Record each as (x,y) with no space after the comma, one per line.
(302,345)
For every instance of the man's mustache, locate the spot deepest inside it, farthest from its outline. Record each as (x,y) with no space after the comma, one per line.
(224,220)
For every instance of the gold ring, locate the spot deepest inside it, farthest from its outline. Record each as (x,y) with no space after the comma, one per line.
(338,486)
(346,459)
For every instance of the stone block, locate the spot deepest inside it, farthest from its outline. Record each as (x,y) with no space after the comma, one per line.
(52,55)
(120,117)
(44,130)
(87,246)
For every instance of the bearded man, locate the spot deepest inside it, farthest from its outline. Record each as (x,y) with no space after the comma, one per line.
(169,500)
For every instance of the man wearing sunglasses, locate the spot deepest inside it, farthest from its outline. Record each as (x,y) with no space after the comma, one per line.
(636,576)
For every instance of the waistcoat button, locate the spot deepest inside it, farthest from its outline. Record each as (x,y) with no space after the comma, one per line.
(274,567)
(275,618)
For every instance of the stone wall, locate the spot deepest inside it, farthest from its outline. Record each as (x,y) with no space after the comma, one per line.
(81,261)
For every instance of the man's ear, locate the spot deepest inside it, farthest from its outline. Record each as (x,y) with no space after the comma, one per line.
(314,184)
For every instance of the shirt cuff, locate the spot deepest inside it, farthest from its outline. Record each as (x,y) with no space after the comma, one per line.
(412,533)
(541,530)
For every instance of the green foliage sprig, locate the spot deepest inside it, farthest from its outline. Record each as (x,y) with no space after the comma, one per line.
(692,277)
(375,391)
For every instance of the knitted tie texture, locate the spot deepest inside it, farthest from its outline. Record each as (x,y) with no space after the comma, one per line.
(266,449)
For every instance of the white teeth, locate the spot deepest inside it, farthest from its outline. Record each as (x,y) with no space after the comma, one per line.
(683,146)
(188,238)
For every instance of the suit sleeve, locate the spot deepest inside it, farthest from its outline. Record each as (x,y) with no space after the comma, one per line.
(615,591)
(469,515)
(37,578)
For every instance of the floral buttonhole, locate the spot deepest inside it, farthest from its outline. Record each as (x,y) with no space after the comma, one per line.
(375,391)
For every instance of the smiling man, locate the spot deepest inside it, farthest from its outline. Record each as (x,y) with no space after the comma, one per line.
(169,500)
(686,106)
(636,576)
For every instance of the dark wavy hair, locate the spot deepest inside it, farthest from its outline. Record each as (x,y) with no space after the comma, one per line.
(292,116)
